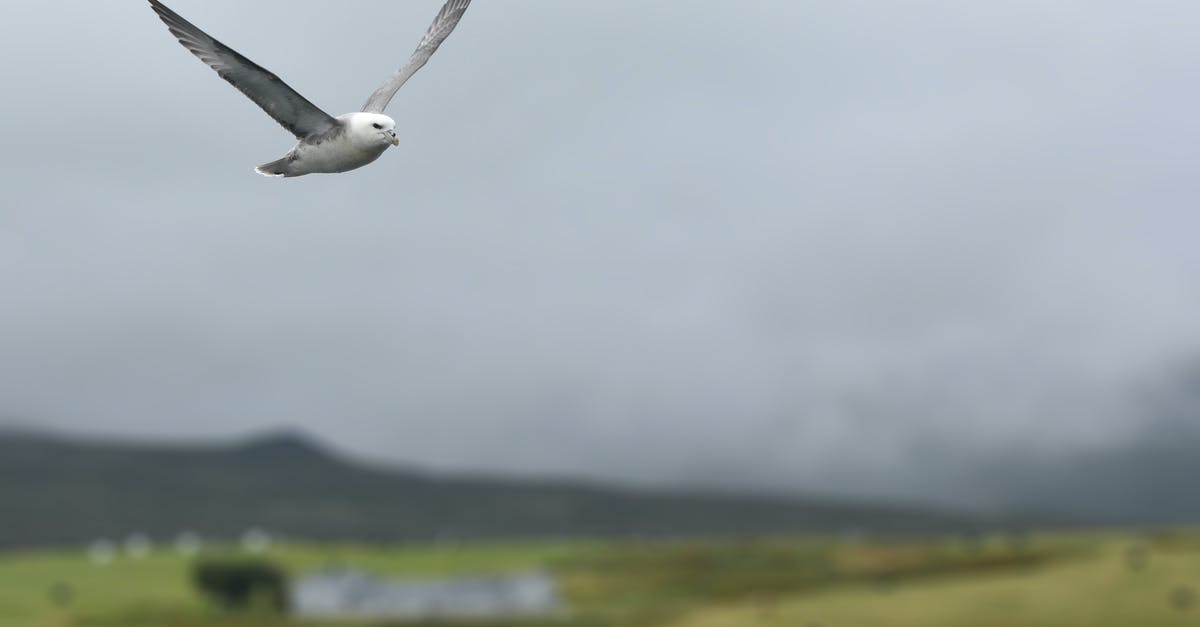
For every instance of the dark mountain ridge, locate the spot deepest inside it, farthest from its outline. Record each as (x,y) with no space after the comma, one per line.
(60,491)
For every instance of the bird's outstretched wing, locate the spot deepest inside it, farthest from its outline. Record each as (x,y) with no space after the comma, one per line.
(281,102)
(441,28)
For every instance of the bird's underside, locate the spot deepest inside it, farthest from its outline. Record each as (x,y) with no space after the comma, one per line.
(325,144)
(340,149)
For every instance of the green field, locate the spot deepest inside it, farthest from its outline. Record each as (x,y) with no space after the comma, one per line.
(1041,581)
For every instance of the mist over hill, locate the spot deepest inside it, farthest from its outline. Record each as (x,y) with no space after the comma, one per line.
(1148,480)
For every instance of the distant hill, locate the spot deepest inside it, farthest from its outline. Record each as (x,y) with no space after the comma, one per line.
(56,491)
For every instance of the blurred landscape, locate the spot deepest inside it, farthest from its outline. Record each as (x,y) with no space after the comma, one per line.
(108,533)
(1043,580)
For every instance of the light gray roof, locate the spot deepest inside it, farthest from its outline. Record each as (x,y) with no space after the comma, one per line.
(351,594)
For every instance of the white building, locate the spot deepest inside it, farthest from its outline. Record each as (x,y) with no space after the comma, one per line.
(352,594)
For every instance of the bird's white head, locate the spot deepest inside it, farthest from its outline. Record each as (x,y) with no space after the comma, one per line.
(371,129)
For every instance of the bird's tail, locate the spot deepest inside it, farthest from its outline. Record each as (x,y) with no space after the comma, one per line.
(275,168)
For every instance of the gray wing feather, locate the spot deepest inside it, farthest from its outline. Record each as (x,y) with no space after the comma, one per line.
(441,28)
(281,102)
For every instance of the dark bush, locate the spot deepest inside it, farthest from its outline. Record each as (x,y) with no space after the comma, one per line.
(242,584)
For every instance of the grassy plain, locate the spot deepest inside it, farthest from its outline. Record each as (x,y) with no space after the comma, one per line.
(1081,580)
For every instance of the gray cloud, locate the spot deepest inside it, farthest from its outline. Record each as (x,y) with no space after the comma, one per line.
(771,245)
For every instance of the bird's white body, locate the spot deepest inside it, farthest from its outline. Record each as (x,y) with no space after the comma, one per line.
(357,140)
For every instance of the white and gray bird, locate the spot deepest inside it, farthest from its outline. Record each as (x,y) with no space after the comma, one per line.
(327,144)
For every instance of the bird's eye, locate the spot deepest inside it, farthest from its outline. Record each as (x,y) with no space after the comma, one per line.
(378,126)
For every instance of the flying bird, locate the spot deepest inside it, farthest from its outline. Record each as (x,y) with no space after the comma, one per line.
(326,144)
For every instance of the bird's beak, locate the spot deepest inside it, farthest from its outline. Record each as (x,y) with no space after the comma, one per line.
(393,138)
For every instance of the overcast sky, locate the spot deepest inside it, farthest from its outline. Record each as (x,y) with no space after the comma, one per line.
(771,244)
